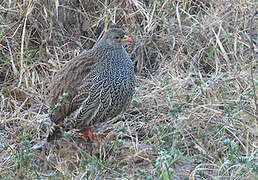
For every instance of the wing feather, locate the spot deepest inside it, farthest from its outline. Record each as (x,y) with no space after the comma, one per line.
(67,80)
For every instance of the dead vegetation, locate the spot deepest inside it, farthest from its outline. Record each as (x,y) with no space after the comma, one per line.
(195,111)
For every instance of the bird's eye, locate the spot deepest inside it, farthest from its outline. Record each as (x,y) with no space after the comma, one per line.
(117,37)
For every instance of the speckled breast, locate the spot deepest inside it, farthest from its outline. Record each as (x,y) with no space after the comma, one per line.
(110,92)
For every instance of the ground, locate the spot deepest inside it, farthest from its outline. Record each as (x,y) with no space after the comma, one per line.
(195,111)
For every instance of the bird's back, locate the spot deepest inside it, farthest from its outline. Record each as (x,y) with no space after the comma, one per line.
(98,88)
(63,87)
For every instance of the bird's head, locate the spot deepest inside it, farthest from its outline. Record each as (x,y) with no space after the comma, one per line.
(116,37)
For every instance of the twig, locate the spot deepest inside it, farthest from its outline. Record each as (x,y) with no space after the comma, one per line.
(255,57)
(251,34)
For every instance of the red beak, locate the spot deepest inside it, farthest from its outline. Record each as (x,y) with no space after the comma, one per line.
(127,39)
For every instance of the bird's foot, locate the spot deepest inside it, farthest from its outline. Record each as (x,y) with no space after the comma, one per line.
(106,137)
(88,134)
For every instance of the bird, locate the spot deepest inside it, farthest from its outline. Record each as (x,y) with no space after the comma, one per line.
(93,87)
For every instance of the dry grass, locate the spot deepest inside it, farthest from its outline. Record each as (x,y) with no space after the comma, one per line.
(194,115)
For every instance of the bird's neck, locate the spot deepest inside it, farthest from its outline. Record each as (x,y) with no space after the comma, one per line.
(104,45)
(108,52)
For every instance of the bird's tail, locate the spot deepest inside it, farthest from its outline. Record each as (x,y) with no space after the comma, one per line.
(55,132)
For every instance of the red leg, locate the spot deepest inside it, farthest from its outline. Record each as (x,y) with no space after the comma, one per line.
(88,134)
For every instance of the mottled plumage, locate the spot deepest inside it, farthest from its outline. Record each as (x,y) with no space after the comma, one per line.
(100,84)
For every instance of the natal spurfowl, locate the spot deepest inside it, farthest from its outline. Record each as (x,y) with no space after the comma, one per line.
(93,87)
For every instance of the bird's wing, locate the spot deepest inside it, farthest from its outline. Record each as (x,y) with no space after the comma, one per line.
(65,84)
